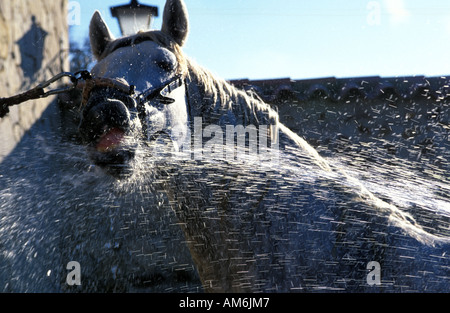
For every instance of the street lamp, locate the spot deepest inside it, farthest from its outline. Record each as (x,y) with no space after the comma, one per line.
(134,17)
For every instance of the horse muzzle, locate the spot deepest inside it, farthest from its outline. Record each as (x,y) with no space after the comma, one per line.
(105,127)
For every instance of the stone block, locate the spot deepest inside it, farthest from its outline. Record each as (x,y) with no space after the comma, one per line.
(33,43)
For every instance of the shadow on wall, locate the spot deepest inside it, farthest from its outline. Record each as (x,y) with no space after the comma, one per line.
(31,47)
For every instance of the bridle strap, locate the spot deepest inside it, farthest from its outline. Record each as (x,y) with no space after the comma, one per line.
(119,84)
(161,94)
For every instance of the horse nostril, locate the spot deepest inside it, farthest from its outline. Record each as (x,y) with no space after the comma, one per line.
(105,115)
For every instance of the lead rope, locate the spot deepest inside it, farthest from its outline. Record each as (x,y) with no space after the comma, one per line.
(39,91)
(86,82)
(82,80)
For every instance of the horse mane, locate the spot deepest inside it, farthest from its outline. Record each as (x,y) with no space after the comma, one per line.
(219,102)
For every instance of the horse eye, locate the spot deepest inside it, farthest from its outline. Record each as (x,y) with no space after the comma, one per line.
(165,65)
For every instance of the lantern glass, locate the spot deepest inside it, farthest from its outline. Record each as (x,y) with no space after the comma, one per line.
(131,21)
(134,17)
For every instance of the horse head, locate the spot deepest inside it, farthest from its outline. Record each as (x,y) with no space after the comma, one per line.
(113,120)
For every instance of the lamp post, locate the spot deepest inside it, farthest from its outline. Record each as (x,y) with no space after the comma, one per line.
(134,17)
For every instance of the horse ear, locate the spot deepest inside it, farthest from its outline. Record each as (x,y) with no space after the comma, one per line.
(176,21)
(99,35)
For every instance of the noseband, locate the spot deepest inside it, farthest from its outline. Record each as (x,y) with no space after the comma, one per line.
(161,95)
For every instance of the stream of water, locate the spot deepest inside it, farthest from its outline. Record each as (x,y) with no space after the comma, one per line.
(320,229)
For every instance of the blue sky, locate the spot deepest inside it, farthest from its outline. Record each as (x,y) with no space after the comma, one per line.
(262,39)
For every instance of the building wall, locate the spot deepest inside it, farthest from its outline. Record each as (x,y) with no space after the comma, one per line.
(408,129)
(34,44)
(403,118)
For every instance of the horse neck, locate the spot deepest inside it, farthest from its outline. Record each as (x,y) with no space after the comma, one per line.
(220,103)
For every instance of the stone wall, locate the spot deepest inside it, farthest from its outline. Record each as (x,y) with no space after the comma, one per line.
(34,44)
(373,118)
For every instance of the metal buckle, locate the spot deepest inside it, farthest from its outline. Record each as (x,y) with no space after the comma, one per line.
(73,78)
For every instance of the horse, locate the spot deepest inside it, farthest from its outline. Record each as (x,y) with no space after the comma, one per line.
(201,180)
(263,228)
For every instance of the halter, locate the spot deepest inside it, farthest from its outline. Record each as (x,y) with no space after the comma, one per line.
(161,95)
